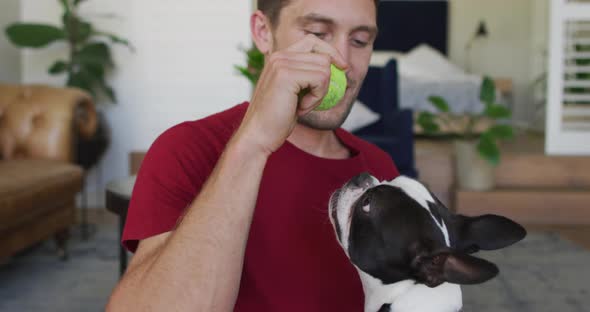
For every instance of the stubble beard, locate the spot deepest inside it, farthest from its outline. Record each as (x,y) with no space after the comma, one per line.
(326,120)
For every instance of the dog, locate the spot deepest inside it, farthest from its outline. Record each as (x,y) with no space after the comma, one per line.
(410,251)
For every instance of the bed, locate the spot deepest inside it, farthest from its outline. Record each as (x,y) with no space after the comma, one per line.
(415,33)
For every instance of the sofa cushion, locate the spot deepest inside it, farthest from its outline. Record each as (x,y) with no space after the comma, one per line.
(30,188)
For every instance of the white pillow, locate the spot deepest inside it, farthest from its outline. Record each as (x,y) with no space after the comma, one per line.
(360,116)
(424,61)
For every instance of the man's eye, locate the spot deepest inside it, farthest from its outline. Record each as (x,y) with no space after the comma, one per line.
(359,43)
(320,35)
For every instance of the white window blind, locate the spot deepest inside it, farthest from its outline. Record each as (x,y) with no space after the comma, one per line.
(568,118)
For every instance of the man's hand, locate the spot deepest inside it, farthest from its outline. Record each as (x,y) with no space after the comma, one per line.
(276,103)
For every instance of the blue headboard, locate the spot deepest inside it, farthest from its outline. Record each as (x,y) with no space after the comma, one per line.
(404,24)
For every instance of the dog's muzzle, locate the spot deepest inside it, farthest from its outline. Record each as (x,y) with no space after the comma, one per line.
(349,193)
(362,181)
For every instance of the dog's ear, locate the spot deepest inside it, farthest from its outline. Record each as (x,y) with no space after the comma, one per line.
(488,232)
(457,268)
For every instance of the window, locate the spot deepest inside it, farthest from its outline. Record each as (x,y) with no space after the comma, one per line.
(568,112)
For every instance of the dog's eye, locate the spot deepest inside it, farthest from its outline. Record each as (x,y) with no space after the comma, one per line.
(366,200)
(366,203)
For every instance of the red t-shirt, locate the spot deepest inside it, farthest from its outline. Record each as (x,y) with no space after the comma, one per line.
(293,261)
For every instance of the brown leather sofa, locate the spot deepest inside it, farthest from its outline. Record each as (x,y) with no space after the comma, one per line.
(39,128)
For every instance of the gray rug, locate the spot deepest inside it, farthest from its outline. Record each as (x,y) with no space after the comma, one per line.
(38,281)
(542,273)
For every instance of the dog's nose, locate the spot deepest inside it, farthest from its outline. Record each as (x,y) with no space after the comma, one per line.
(363,180)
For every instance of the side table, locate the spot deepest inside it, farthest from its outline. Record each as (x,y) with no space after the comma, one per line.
(118,194)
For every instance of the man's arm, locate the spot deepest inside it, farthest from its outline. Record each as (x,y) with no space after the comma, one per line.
(178,265)
(198,265)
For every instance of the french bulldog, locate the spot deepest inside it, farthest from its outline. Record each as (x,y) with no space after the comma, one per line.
(411,252)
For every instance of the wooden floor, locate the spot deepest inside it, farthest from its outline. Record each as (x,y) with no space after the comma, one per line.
(524,166)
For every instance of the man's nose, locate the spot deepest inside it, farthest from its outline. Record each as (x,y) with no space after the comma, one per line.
(341,44)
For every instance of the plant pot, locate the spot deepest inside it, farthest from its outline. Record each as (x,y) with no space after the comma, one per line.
(473,172)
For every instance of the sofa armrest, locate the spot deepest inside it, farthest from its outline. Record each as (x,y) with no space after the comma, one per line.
(44,122)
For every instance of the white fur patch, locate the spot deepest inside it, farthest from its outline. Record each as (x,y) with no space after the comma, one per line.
(420,298)
(407,296)
(344,210)
(420,194)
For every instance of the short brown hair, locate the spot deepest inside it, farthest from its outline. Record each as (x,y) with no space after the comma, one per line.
(272,9)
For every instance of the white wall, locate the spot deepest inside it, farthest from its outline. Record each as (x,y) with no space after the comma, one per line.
(10,57)
(182,69)
(186,48)
(539,62)
(510,48)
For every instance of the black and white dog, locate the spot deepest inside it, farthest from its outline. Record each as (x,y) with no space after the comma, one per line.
(411,252)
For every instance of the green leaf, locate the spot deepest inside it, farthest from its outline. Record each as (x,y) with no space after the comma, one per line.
(33,35)
(440,103)
(430,128)
(58,67)
(109,92)
(96,53)
(254,64)
(488,149)
(426,120)
(244,71)
(77,30)
(82,33)
(501,132)
(255,59)
(497,111)
(94,70)
(426,117)
(90,77)
(488,91)
(115,39)
(65,5)
(81,80)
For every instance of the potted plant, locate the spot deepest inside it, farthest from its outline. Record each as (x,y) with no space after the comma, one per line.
(89,55)
(475,136)
(254,64)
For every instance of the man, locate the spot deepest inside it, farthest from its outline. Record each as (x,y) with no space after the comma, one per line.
(230,212)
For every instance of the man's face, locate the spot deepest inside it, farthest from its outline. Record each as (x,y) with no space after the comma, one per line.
(349,26)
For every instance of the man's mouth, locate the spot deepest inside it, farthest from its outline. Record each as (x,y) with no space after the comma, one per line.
(350,85)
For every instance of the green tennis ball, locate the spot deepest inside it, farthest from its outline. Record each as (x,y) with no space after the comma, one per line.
(335,91)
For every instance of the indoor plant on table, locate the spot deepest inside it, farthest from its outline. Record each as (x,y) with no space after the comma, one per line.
(475,136)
